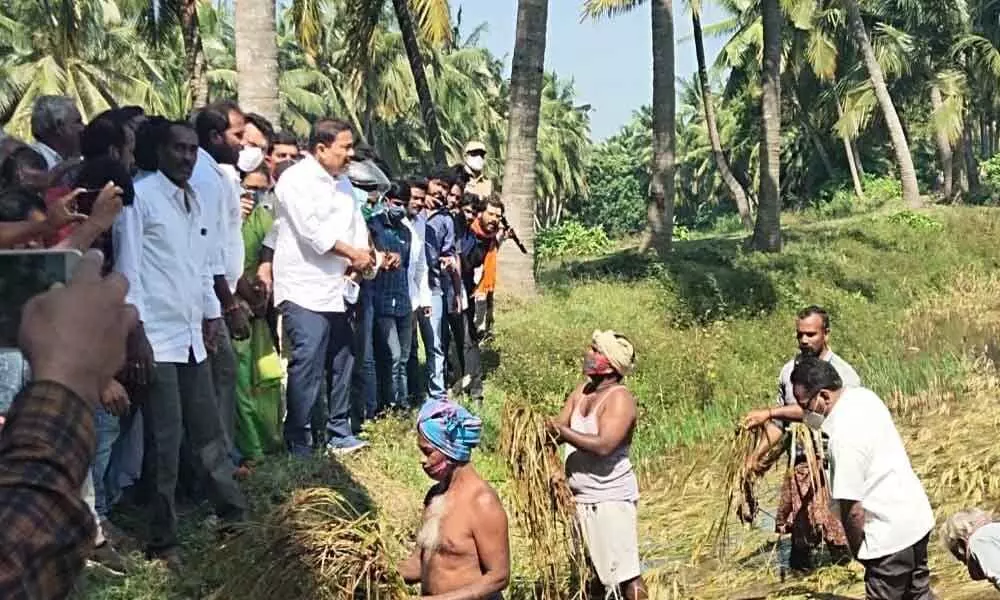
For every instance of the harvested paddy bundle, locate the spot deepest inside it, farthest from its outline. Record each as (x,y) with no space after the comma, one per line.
(542,503)
(738,487)
(315,546)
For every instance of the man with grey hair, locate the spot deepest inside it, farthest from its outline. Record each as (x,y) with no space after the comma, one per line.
(973,537)
(56,125)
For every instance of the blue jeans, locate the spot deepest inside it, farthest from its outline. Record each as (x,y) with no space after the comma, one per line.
(436,326)
(393,340)
(320,344)
(364,395)
(107,433)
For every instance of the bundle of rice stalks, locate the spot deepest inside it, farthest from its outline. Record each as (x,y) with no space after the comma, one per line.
(316,546)
(543,504)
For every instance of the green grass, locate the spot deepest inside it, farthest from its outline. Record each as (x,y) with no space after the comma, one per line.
(711,327)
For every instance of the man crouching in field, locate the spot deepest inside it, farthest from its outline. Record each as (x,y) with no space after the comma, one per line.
(462,549)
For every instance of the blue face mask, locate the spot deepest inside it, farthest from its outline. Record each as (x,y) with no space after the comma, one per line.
(396,213)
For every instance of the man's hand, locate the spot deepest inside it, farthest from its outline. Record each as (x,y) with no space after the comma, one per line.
(554,429)
(449,263)
(754,465)
(75,335)
(114,398)
(139,352)
(362,260)
(756,418)
(107,206)
(209,331)
(426,311)
(64,212)
(246,206)
(265,275)
(392,261)
(238,322)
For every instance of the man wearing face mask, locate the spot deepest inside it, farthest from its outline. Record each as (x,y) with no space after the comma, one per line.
(463,549)
(802,511)
(597,424)
(475,170)
(883,506)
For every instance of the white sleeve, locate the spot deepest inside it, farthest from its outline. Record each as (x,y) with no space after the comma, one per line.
(271,239)
(321,232)
(851,461)
(423,285)
(127,242)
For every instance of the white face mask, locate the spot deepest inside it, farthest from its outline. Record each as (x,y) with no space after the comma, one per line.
(813,420)
(475,163)
(250,158)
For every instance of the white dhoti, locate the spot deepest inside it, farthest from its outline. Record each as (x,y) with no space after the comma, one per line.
(610,530)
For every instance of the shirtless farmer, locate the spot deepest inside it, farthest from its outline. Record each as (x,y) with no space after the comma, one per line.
(597,424)
(462,552)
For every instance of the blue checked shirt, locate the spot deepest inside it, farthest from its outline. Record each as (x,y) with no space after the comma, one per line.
(392,288)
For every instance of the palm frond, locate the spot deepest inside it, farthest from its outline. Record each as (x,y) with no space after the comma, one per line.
(600,9)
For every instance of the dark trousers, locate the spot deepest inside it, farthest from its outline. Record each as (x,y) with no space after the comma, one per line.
(364,387)
(223,363)
(393,341)
(900,576)
(181,402)
(457,335)
(320,345)
(415,382)
(473,359)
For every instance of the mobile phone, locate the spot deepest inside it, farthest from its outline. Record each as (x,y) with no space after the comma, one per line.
(25,274)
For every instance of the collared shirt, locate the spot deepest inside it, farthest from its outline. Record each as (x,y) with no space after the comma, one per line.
(164,250)
(440,243)
(392,288)
(45,451)
(984,546)
(420,290)
(218,189)
(315,211)
(869,464)
(52,158)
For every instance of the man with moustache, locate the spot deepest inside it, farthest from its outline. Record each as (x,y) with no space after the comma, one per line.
(163,247)
(803,511)
(463,550)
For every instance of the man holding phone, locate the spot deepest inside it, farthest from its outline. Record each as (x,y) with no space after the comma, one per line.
(162,246)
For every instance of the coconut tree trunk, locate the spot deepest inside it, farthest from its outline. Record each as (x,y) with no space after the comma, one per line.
(427,109)
(660,209)
(735,189)
(767,230)
(195,64)
(526,78)
(852,164)
(907,173)
(943,147)
(257,58)
(971,164)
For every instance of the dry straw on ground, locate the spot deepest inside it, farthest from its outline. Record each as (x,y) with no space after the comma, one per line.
(316,546)
(542,504)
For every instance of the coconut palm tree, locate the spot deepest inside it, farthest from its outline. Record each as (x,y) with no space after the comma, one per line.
(722,163)
(427,21)
(518,270)
(907,173)
(660,210)
(767,229)
(257,57)
(84,49)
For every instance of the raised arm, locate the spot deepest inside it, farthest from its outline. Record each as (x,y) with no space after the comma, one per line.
(493,546)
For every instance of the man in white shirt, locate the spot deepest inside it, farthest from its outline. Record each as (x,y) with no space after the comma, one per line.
(321,234)
(163,247)
(56,125)
(885,511)
(215,180)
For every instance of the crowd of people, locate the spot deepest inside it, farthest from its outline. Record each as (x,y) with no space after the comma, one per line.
(216,245)
(241,246)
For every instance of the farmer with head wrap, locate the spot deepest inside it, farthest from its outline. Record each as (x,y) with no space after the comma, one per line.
(973,537)
(596,424)
(462,548)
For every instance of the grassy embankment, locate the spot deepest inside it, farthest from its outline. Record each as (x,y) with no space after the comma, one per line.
(912,296)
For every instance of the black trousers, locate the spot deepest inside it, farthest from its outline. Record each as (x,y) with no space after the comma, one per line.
(900,576)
